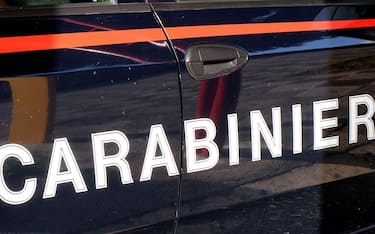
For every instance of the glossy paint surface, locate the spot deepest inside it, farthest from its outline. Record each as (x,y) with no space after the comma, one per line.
(70,90)
(297,192)
(75,92)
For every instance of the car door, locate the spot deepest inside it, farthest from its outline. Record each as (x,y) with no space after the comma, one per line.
(278,105)
(90,118)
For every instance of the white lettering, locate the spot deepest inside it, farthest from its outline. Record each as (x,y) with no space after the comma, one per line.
(234,155)
(297,128)
(192,144)
(102,161)
(62,151)
(366,119)
(28,190)
(320,124)
(158,137)
(259,126)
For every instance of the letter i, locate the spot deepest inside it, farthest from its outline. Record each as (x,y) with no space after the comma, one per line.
(234,154)
(297,128)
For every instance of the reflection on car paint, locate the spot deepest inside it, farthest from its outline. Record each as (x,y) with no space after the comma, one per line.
(318,103)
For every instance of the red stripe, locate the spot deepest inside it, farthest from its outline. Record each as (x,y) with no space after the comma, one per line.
(86,39)
(81,39)
(264,28)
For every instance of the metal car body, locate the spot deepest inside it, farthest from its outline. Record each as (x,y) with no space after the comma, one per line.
(187,116)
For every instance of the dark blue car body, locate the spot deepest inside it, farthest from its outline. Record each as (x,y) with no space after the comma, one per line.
(70,73)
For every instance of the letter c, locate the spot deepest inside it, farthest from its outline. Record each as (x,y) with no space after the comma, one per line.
(24,156)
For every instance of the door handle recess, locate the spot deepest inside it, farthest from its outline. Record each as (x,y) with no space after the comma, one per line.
(207,61)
